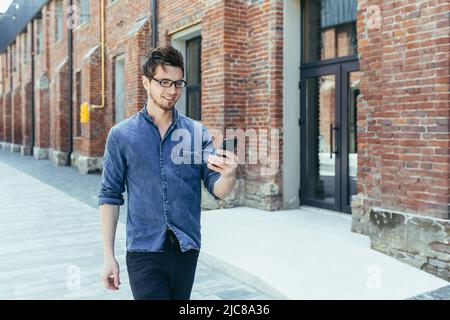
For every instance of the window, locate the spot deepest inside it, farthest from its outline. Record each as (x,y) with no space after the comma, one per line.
(329,29)
(78,103)
(25,48)
(59,12)
(39,36)
(119,88)
(13,57)
(193,77)
(83,9)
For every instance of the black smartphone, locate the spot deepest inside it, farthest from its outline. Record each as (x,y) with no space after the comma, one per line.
(230,144)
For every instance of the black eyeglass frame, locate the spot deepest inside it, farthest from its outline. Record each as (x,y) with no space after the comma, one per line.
(183,83)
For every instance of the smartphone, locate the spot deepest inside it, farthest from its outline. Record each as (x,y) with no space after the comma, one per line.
(230,144)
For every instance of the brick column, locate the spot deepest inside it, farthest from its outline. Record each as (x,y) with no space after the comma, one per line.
(93,132)
(2,111)
(16,120)
(26,120)
(42,116)
(264,105)
(7,136)
(60,137)
(403,136)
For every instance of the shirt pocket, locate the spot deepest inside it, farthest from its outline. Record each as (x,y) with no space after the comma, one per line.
(190,168)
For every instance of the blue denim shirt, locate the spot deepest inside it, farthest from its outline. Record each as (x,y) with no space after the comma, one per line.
(163,192)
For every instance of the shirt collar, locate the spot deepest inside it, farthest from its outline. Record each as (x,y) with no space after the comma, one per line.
(149,118)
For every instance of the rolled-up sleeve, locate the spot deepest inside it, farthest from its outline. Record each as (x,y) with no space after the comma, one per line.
(113,176)
(209,176)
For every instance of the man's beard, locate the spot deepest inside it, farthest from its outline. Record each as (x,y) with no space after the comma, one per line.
(161,106)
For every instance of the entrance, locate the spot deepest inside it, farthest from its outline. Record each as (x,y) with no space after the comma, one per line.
(328,131)
(329,89)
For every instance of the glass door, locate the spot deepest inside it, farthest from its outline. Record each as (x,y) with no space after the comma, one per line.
(320,138)
(329,136)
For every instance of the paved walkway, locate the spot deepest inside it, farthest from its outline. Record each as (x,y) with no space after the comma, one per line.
(50,245)
(308,253)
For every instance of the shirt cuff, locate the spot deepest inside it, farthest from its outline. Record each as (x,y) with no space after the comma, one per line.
(111,201)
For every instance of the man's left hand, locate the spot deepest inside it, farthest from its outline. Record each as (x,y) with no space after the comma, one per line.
(224,162)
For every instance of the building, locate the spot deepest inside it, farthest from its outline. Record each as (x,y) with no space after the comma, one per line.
(356,94)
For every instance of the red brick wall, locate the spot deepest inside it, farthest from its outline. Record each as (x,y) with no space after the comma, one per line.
(60,108)
(403,109)
(2,94)
(42,114)
(6,95)
(42,79)
(16,117)
(265,87)
(2,97)
(241,78)
(7,136)
(26,114)
(127,32)
(58,72)
(241,70)
(25,86)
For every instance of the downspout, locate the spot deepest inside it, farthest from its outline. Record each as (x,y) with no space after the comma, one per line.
(154,18)
(32,90)
(70,58)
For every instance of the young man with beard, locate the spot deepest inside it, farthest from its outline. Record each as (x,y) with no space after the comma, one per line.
(142,155)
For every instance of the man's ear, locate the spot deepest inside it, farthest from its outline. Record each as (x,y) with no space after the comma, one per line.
(145,82)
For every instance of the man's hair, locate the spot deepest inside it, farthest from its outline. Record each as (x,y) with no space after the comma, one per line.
(162,56)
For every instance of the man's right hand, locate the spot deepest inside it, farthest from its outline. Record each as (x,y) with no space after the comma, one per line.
(110,274)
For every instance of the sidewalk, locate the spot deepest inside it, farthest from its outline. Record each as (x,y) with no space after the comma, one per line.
(50,248)
(307,254)
(50,245)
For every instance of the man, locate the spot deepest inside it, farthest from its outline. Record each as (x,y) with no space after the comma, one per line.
(163,221)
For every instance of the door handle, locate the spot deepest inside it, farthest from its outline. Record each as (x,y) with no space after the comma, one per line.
(333,149)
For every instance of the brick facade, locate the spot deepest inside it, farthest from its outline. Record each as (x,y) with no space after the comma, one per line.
(403,129)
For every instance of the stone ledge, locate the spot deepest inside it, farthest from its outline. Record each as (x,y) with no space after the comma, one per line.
(15,147)
(6,146)
(40,153)
(88,165)
(419,241)
(58,158)
(25,150)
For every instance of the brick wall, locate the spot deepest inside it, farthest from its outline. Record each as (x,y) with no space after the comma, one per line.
(16,117)
(403,108)
(241,52)
(403,120)
(128,33)
(42,83)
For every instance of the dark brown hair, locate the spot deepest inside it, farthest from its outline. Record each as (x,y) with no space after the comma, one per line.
(162,56)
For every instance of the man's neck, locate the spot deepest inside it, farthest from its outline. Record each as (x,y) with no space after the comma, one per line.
(160,117)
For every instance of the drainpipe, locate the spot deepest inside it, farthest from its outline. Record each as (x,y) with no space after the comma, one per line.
(32,90)
(70,58)
(154,24)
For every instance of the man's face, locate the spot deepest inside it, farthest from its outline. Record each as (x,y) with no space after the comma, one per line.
(164,98)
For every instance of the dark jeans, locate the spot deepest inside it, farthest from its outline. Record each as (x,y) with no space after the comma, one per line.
(162,275)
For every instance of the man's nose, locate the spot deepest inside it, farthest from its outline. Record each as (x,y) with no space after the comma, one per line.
(172,89)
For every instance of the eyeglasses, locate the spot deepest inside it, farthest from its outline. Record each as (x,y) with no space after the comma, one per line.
(166,83)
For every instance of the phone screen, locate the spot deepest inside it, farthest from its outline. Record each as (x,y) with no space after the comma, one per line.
(230,144)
